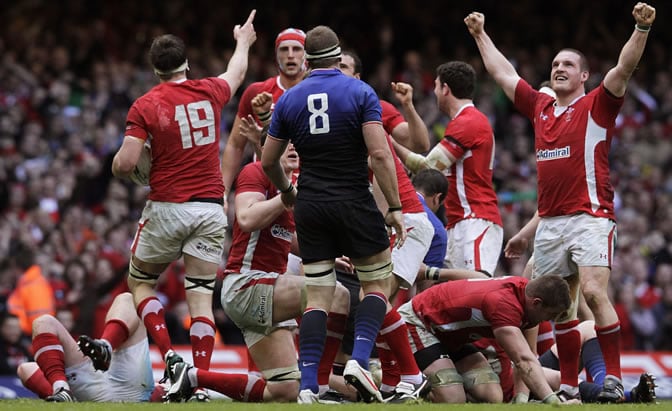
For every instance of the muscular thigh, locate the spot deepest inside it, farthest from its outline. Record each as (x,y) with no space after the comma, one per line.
(166,230)
(408,259)
(474,244)
(562,244)
(248,300)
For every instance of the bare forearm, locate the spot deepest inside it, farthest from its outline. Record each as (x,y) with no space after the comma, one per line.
(419,141)
(383,169)
(499,67)
(260,214)
(530,372)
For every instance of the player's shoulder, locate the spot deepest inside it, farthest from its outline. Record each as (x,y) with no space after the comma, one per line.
(265,85)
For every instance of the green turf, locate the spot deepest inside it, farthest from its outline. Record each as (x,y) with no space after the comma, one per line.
(25,404)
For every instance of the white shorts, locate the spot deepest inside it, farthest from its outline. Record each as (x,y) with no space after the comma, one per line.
(248,300)
(407,259)
(474,244)
(167,230)
(418,336)
(563,244)
(129,379)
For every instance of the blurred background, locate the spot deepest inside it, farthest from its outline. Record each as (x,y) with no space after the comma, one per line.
(70,69)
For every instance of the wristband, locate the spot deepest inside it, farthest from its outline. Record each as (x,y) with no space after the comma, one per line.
(263,117)
(432,273)
(393,209)
(643,28)
(288,189)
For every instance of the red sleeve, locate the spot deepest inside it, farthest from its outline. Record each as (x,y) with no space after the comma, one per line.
(221,91)
(391,116)
(245,105)
(135,122)
(252,179)
(503,309)
(606,106)
(525,98)
(455,139)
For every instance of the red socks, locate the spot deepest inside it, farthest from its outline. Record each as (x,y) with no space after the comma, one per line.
(151,312)
(568,338)
(50,357)
(610,344)
(115,332)
(202,337)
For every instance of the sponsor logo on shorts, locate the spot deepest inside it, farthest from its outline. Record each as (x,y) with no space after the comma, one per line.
(553,154)
(205,248)
(261,310)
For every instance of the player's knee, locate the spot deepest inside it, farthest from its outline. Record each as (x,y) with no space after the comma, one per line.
(483,384)
(137,276)
(447,386)
(341,303)
(320,274)
(25,370)
(283,383)
(44,323)
(204,284)
(284,392)
(375,271)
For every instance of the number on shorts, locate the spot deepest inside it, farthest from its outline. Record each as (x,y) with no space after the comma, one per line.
(318,113)
(197,123)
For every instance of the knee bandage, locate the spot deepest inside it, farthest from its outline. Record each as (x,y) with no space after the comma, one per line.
(284,374)
(142,276)
(320,274)
(203,284)
(372,272)
(477,376)
(446,377)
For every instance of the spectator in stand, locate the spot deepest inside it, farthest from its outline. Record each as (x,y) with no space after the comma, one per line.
(14,345)
(576,232)
(662,313)
(32,295)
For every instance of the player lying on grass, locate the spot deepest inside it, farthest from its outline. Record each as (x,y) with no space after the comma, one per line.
(115,368)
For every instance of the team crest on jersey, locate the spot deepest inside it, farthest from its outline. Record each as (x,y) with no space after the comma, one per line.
(281,232)
(553,153)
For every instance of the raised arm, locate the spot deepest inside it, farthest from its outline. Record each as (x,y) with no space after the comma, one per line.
(616,79)
(245,36)
(412,133)
(497,65)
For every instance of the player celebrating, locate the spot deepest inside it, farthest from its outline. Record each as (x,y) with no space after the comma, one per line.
(183,215)
(576,233)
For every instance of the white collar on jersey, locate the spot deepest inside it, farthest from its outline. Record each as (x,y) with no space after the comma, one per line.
(557,110)
(462,108)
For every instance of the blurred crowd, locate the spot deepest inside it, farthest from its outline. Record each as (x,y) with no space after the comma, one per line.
(70,70)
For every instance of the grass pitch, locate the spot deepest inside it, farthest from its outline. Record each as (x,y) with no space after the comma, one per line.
(30,405)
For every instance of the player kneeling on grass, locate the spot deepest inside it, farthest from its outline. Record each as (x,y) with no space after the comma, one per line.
(445,319)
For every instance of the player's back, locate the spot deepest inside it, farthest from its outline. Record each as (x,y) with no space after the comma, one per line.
(323,116)
(182,121)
